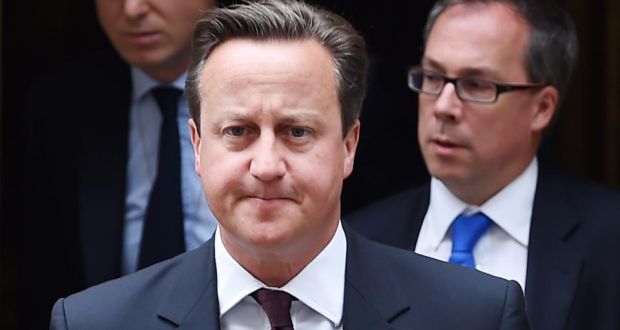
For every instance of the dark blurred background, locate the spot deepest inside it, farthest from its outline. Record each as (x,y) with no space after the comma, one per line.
(39,35)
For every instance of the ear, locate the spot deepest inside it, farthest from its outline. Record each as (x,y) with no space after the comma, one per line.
(195,135)
(350,145)
(546,103)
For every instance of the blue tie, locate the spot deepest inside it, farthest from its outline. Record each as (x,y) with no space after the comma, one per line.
(466,231)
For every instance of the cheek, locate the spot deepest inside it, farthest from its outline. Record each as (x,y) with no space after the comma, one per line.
(109,14)
(220,172)
(500,137)
(320,173)
(108,27)
(181,17)
(424,117)
(182,34)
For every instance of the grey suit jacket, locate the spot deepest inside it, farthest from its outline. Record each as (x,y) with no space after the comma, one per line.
(573,268)
(385,288)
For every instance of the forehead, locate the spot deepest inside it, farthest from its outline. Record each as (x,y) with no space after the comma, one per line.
(249,73)
(242,53)
(489,38)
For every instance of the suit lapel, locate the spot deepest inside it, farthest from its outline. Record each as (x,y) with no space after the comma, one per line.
(553,267)
(102,164)
(192,302)
(371,299)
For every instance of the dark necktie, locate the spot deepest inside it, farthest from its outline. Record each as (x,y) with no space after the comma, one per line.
(466,231)
(163,234)
(277,306)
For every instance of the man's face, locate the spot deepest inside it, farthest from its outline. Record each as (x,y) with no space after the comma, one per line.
(478,148)
(270,153)
(154,35)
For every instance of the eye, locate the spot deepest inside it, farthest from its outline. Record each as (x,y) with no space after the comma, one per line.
(432,80)
(299,132)
(432,76)
(237,136)
(476,85)
(235,131)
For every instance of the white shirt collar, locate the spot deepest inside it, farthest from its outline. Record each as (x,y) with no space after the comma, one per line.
(142,83)
(510,208)
(319,286)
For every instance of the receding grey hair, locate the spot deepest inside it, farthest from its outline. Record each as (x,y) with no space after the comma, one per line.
(552,46)
(284,20)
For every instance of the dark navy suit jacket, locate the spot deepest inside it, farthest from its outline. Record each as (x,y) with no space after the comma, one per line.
(385,288)
(74,185)
(573,270)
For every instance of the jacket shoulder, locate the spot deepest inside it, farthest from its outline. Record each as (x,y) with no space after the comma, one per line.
(583,197)
(83,70)
(135,301)
(117,303)
(394,220)
(441,295)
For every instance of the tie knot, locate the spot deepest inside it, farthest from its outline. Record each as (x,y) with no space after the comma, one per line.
(466,231)
(277,306)
(167,98)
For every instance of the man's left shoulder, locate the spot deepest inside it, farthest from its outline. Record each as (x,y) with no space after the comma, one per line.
(441,276)
(439,295)
(584,197)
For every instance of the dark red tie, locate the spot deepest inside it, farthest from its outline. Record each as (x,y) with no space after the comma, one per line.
(277,305)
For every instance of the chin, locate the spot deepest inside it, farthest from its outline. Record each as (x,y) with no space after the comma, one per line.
(148,59)
(447,173)
(269,241)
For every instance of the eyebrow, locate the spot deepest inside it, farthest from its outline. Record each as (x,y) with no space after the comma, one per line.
(298,116)
(434,64)
(302,117)
(474,72)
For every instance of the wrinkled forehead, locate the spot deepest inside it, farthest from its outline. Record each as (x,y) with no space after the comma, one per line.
(269,75)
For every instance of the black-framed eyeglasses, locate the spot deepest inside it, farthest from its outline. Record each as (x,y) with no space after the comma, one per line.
(467,89)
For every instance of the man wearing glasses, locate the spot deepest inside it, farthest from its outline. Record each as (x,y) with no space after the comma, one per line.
(491,78)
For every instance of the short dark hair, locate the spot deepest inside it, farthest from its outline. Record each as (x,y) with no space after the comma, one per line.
(284,20)
(552,46)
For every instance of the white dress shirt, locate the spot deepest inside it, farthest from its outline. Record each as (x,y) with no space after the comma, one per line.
(144,130)
(502,250)
(319,289)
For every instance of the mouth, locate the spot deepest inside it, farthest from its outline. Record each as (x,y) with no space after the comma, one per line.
(444,142)
(445,146)
(144,38)
(271,198)
(261,202)
(268,198)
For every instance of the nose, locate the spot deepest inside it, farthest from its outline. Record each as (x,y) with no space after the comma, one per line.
(136,8)
(267,162)
(448,106)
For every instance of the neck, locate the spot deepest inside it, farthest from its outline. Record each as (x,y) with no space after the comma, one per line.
(168,72)
(277,264)
(164,76)
(479,190)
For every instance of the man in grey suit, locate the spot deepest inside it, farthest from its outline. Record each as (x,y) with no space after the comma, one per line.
(491,78)
(275,89)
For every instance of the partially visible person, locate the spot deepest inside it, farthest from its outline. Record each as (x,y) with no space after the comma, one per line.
(275,90)
(109,157)
(491,79)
